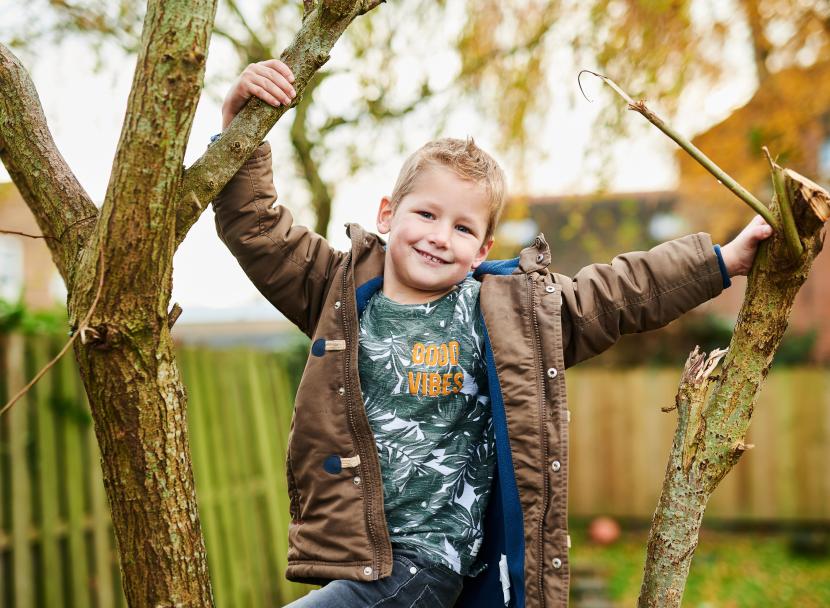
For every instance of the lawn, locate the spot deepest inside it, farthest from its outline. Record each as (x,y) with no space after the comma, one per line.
(729,569)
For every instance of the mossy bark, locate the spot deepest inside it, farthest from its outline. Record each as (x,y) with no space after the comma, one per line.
(714,410)
(126,355)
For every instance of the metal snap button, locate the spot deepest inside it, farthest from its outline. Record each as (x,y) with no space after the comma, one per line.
(341,391)
(413,570)
(356,480)
(556,465)
(552,373)
(550,288)
(337,304)
(367,571)
(557,563)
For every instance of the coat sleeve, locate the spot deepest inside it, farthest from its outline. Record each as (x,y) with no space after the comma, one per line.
(636,292)
(290,265)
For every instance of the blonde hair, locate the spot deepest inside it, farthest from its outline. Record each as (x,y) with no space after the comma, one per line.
(465,159)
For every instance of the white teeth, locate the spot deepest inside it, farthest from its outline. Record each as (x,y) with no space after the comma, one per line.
(431,258)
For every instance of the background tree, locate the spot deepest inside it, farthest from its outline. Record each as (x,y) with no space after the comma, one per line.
(510,60)
(117,265)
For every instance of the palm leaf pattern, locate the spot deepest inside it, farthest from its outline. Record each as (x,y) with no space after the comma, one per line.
(436,451)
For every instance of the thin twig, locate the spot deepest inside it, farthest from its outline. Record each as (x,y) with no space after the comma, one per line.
(66,346)
(791,237)
(75,223)
(31,236)
(722,177)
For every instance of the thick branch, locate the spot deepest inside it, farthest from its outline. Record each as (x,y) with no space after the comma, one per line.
(321,28)
(712,425)
(137,223)
(52,192)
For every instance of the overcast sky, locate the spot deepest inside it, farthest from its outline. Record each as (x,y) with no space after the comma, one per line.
(85,111)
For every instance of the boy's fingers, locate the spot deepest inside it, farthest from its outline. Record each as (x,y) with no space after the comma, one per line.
(259,91)
(272,87)
(276,77)
(279,66)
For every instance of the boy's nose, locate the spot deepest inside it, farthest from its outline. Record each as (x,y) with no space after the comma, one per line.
(440,236)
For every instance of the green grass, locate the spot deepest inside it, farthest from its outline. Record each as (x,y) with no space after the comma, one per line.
(729,570)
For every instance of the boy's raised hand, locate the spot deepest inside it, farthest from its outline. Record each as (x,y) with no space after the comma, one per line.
(739,253)
(268,80)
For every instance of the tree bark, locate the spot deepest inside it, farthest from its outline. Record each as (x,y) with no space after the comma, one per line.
(127,366)
(62,208)
(125,355)
(714,411)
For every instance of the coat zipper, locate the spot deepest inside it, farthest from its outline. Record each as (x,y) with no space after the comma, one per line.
(367,494)
(542,427)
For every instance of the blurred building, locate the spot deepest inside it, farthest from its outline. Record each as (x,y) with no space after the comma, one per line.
(26,268)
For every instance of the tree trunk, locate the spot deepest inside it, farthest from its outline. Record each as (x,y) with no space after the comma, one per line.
(714,411)
(117,264)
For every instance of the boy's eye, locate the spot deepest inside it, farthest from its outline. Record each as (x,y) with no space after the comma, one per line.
(463,229)
(426,214)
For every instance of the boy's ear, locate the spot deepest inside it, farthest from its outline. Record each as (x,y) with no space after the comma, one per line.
(385,213)
(481,255)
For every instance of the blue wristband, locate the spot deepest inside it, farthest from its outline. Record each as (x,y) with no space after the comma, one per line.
(724,275)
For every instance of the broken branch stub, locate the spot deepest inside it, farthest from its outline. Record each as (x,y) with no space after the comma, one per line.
(713,417)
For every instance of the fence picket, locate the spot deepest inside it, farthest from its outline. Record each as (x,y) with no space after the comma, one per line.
(47,467)
(276,513)
(21,496)
(75,476)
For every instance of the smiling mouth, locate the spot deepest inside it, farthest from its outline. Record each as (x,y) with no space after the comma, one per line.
(430,258)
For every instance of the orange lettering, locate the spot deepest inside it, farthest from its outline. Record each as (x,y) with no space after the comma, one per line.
(459,381)
(445,385)
(454,348)
(414,381)
(417,353)
(432,355)
(444,355)
(434,384)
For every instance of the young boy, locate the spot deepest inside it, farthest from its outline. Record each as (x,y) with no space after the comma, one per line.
(427,464)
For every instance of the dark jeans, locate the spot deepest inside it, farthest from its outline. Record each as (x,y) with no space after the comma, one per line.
(414,583)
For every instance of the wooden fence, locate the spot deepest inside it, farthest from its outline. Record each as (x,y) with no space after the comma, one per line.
(56,543)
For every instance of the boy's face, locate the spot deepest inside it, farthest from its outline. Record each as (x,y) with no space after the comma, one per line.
(436,236)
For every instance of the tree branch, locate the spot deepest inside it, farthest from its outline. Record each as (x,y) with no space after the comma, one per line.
(742,193)
(320,30)
(148,162)
(47,184)
(782,199)
(368,5)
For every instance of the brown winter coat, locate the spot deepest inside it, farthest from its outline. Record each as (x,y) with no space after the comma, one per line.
(538,323)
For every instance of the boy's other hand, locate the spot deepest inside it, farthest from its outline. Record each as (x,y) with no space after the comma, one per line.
(268,80)
(739,253)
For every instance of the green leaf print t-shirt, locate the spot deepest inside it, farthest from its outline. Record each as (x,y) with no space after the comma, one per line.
(424,382)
